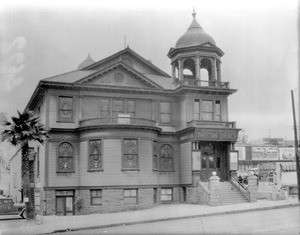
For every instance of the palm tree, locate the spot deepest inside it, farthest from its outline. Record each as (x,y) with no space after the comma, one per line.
(24,128)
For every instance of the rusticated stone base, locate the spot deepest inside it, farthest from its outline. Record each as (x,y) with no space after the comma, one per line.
(112,201)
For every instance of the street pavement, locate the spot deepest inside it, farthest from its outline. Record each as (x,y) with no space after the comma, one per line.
(50,224)
(274,222)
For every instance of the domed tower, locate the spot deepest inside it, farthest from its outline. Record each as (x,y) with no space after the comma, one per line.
(88,61)
(196,60)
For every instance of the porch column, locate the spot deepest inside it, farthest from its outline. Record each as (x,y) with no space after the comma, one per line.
(252,187)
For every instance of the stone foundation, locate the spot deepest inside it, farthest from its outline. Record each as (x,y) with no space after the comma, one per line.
(112,201)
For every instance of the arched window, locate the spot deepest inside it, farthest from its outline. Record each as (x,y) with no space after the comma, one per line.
(95,155)
(65,161)
(166,162)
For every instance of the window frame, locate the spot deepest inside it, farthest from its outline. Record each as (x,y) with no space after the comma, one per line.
(131,197)
(110,106)
(73,159)
(137,168)
(59,109)
(201,113)
(165,113)
(89,155)
(97,196)
(160,158)
(161,194)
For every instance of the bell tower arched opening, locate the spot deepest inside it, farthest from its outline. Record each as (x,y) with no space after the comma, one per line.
(206,69)
(189,71)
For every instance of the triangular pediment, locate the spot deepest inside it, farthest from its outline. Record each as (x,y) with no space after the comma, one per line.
(131,59)
(121,75)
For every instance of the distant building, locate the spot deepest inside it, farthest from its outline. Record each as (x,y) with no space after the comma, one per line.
(126,135)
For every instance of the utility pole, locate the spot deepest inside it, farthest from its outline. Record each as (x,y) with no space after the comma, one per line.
(296,146)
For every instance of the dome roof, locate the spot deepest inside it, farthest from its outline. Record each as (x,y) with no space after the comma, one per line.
(194,36)
(88,61)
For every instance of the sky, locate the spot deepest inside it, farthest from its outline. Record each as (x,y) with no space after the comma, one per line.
(39,39)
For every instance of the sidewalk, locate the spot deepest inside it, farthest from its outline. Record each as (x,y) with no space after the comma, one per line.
(159,213)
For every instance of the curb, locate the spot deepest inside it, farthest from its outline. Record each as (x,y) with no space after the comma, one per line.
(173,218)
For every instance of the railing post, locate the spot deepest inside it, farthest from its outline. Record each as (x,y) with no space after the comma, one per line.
(252,187)
(214,181)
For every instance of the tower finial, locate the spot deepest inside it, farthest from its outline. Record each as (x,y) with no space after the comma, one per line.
(194,13)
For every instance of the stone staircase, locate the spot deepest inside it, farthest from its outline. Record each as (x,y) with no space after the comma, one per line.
(229,194)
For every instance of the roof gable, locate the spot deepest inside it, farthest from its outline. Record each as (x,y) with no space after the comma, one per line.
(132,59)
(119,74)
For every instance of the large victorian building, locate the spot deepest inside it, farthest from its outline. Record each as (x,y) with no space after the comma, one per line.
(125,135)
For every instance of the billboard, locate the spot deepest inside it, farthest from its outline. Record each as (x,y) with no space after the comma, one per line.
(264,153)
(287,154)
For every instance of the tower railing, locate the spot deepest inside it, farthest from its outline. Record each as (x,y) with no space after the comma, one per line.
(204,83)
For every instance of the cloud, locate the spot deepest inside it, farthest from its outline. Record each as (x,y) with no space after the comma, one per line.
(12,65)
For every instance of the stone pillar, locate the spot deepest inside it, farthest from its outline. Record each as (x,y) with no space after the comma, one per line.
(252,187)
(214,181)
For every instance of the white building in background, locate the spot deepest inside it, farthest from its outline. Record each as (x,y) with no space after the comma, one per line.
(15,179)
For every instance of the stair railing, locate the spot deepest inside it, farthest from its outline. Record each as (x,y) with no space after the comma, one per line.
(241,187)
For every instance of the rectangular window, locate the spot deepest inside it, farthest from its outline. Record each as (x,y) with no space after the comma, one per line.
(104,108)
(130,108)
(155,155)
(207,110)
(197,110)
(117,107)
(166,194)
(65,109)
(95,155)
(130,154)
(130,196)
(218,110)
(165,112)
(96,197)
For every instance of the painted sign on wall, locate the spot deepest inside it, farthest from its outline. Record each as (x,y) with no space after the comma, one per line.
(216,134)
(287,154)
(264,153)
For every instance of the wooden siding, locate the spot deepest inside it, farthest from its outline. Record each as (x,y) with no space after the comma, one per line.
(112,173)
(186,163)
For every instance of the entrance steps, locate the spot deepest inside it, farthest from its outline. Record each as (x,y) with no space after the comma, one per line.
(229,194)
